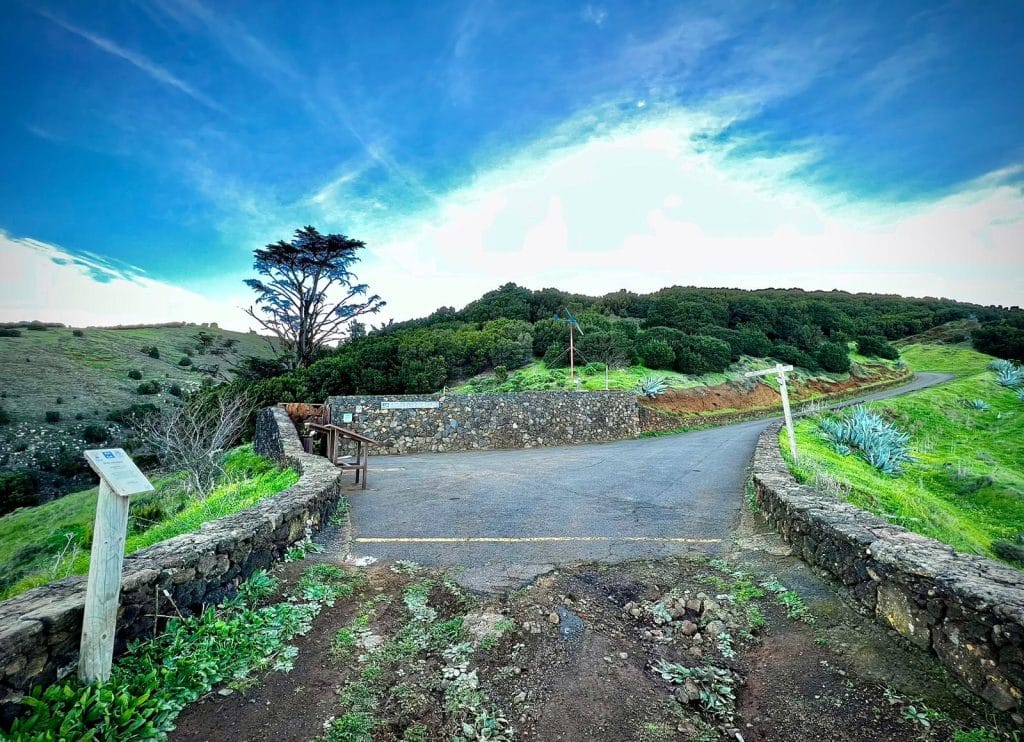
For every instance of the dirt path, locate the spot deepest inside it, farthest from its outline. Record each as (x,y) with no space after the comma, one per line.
(594,652)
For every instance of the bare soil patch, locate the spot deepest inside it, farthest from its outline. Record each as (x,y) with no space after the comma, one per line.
(595,652)
(750,395)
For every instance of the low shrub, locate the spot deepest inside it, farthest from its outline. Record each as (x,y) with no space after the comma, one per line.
(176,390)
(77,333)
(833,357)
(52,416)
(794,356)
(17,490)
(185,361)
(655,353)
(148,387)
(1010,549)
(128,415)
(876,346)
(95,434)
(9,332)
(500,374)
(153,352)
(135,374)
(5,417)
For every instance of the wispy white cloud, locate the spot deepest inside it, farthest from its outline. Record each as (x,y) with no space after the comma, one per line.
(139,61)
(594,14)
(49,283)
(894,75)
(234,37)
(644,204)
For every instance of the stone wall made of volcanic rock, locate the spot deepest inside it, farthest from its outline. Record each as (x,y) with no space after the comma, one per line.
(40,630)
(966,609)
(489,421)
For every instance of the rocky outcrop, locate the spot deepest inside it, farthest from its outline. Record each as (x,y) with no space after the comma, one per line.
(40,630)
(966,609)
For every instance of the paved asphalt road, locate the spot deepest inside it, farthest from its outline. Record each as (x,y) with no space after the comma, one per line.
(505,516)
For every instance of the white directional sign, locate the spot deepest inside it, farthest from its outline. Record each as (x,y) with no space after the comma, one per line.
(118,470)
(781,370)
(414,404)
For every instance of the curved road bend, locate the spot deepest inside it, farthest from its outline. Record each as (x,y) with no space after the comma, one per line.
(506,516)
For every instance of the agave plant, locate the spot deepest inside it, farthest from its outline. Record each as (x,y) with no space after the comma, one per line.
(977,404)
(651,386)
(1007,374)
(877,441)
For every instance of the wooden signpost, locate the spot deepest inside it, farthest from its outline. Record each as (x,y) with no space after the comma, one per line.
(781,371)
(119,478)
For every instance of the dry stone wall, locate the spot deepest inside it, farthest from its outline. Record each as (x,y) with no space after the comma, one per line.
(966,609)
(488,421)
(40,630)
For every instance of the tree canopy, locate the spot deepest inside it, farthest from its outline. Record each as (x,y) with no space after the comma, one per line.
(308,295)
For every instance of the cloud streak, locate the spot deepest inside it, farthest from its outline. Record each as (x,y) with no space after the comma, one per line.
(139,61)
(52,284)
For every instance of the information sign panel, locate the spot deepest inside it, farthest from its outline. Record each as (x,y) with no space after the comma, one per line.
(118,470)
(415,404)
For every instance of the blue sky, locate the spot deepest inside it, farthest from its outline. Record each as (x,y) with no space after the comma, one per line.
(591,146)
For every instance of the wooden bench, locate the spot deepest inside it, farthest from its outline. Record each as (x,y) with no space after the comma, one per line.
(334,434)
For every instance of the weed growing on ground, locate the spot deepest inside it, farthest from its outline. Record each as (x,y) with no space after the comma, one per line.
(974,735)
(424,637)
(715,685)
(790,600)
(339,516)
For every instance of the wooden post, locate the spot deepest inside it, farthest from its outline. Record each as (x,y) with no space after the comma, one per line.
(572,361)
(104,587)
(780,372)
(119,478)
(785,410)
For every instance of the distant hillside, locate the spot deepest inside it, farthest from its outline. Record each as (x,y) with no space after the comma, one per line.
(57,381)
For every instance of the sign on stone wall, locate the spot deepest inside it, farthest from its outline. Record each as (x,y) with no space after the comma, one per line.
(415,404)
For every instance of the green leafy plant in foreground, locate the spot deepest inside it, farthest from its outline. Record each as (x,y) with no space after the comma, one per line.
(715,685)
(150,685)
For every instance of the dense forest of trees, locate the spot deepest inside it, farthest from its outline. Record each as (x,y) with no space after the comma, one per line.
(690,330)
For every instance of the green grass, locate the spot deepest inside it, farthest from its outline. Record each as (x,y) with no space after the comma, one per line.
(966,486)
(31,539)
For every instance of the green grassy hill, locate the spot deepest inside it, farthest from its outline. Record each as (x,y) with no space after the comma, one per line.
(89,373)
(60,386)
(965,485)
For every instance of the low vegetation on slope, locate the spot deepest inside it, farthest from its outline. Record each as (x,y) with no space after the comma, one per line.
(964,482)
(538,376)
(677,330)
(64,389)
(51,541)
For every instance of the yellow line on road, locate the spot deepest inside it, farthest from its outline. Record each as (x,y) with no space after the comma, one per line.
(526,539)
